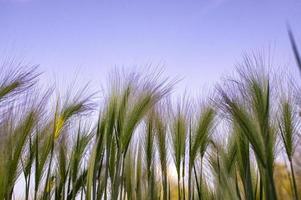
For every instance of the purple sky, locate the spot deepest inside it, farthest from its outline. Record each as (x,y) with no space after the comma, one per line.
(197,40)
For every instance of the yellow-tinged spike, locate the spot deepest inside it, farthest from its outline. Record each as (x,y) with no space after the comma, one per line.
(50,185)
(58,126)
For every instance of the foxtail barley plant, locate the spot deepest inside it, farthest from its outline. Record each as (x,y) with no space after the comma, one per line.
(137,143)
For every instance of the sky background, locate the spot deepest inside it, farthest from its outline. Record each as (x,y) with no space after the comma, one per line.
(199,41)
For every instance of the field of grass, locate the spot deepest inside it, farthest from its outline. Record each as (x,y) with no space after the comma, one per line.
(239,143)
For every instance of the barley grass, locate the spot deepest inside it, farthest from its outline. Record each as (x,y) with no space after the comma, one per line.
(143,144)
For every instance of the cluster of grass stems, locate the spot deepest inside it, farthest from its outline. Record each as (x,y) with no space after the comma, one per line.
(144,146)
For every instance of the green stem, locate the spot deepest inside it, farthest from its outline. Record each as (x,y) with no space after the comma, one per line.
(294,179)
(197,183)
(179,187)
(183,176)
(45,195)
(270,185)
